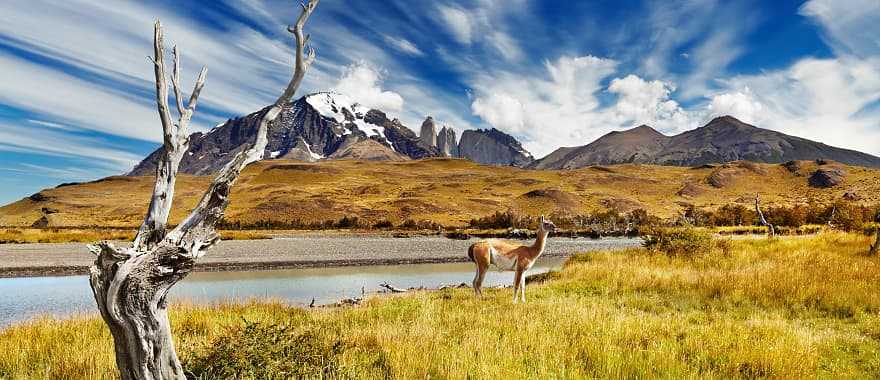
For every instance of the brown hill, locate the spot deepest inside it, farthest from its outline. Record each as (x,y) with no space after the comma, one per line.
(368,150)
(723,139)
(637,145)
(447,191)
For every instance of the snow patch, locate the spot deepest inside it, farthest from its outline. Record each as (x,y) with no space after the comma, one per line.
(331,105)
(313,154)
(274,154)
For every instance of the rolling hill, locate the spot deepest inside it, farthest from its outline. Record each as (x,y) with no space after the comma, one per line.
(447,191)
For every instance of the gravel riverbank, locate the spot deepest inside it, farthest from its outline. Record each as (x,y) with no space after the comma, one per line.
(60,259)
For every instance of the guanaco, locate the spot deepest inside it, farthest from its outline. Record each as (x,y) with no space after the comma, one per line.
(509,256)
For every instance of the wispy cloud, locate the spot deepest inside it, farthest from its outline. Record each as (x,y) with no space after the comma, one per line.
(403,45)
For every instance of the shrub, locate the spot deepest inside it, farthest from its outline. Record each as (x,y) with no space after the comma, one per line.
(266,351)
(383,224)
(679,242)
(410,224)
(348,222)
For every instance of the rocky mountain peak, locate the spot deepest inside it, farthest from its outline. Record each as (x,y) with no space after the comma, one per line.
(491,146)
(318,125)
(428,133)
(447,143)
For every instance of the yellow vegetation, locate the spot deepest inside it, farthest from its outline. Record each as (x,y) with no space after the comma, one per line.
(446,191)
(792,307)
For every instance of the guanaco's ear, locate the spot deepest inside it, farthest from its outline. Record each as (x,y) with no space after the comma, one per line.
(542,219)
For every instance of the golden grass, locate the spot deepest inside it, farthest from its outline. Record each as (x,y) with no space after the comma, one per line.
(798,307)
(447,191)
(88,235)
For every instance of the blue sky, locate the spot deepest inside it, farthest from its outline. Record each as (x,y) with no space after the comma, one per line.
(76,95)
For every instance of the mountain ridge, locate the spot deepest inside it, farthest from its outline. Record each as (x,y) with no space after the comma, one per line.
(723,139)
(318,125)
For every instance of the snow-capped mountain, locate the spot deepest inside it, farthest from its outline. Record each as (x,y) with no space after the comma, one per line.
(312,128)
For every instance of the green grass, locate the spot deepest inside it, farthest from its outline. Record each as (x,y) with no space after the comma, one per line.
(783,308)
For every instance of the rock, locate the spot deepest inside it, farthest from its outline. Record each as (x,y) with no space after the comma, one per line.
(49,210)
(793,167)
(428,133)
(446,142)
(691,190)
(493,147)
(39,197)
(368,150)
(43,222)
(401,138)
(851,196)
(301,152)
(827,177)
(722,177)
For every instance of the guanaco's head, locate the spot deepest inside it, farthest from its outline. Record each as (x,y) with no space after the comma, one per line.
(546,225)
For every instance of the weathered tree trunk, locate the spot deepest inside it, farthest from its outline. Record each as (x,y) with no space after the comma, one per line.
(130,284)
(876,246)
(771,232)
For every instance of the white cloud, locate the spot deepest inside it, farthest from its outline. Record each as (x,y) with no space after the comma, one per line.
(501,111)
(45,91)
(15,138)
(710,60)
(457,22)
(647,102)
(819,99)
(740,104)
(362,82)
(506,46)
(547,110)
(850,26)
(403,45)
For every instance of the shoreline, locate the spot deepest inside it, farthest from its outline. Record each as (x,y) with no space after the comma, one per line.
(80,270)
(72,259)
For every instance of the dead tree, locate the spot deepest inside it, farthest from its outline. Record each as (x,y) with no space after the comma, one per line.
(876,246)
(130,284)
(771,232)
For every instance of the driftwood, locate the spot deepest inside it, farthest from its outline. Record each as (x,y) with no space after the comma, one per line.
(771,232)
(453,286)
(392,288)
(130,283)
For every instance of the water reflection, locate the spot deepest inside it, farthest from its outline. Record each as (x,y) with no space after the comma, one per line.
(24,298)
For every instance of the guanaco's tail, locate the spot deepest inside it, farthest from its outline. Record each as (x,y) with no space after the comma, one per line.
(471,252)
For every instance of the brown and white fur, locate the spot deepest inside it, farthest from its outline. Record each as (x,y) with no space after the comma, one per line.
(509,256)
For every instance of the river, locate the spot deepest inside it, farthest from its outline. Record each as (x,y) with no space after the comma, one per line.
(24,298)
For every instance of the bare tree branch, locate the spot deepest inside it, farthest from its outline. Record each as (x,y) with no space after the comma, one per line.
(771,232)
(175,81)
(197,229)
(175,143)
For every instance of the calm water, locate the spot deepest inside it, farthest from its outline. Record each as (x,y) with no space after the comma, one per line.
(24,298)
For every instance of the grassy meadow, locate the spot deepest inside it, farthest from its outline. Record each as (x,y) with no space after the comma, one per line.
(791,307)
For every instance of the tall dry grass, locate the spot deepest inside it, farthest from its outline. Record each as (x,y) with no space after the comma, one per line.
(783,308)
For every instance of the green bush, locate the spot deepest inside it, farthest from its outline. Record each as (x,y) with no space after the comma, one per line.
(679,242)
(266,351)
